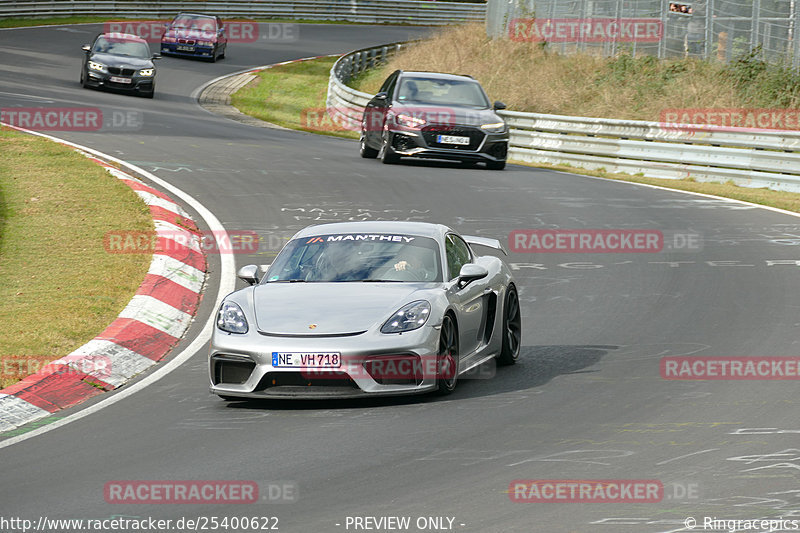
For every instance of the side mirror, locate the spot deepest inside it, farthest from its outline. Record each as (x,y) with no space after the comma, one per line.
(156,56)
(382,96)
(471,272)
(498,105)
(86,48)
(248,274)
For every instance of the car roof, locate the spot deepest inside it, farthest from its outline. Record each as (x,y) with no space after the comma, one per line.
(122,37)
(420,229)
(436,75)
(194,14)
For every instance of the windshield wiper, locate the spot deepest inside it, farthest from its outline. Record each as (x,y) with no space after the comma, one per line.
(293,280)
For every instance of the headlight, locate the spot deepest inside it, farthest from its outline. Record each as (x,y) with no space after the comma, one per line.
(147,71)
(169,39)
(205,43)
(494,127)
(410,317)
(409,122)
(96,66)
(231,319)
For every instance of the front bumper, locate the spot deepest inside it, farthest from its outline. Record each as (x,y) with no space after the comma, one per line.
(242,365)
(138,83)
(187,50)
(422,143)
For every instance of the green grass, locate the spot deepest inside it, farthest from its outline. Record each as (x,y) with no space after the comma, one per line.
(292,96)
(59,287)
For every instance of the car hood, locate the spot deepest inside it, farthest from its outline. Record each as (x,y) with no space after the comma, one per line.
(448,115)
(333,308)
(201,35)
(111,60)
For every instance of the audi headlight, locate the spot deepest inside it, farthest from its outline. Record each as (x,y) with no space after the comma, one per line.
(494,127)
(409,122)
(409,317)
(147,71)
(230,318)
(94,65)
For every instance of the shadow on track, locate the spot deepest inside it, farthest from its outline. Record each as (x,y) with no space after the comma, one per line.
(537,365)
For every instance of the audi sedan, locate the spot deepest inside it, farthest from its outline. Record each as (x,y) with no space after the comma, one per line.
(434,115)
(119,61)
(366,308)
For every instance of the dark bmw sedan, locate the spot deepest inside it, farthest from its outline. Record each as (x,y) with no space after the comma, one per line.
(434,115)
(195,35)
(119,61)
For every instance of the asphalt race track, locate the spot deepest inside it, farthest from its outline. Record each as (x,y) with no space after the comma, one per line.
(585,402)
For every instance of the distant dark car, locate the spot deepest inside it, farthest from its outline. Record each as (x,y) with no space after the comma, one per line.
(119,61)
(434,115)
(195,35)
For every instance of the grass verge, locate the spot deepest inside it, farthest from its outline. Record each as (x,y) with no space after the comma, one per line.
(58,286)
(292,96)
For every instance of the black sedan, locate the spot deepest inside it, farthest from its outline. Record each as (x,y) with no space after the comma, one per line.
(119,61)
(434,115)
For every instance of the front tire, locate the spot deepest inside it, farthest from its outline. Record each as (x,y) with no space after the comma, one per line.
(365,150)
(447,358)
(512,329)
(387,154)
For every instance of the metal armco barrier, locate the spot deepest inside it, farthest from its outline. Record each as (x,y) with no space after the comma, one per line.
(750,158)
(371,11)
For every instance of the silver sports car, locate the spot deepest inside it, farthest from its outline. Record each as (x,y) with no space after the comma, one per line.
(366,308)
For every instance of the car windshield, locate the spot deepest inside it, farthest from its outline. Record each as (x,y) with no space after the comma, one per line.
(357,257)
(194,22)
(431,91)
(120,47)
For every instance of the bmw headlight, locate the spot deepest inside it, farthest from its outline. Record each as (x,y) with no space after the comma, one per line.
(409,122)
(94,65)
(231,318)
(147,71)
(494,127)
(409,317)
(205,43)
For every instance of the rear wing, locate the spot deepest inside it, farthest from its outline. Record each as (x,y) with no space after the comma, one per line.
(484,241)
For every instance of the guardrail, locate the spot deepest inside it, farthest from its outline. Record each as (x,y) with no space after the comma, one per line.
(749,158)
(425,13)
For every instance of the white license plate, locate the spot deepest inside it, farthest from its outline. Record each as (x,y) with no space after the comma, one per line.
(451,139)
(306,359)
(117,79)
(185,48)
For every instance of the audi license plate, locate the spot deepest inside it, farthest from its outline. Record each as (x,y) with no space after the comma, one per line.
(306,359)
(117,79)
(451,139)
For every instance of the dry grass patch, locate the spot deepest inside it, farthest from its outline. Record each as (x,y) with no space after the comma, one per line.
(58,286)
